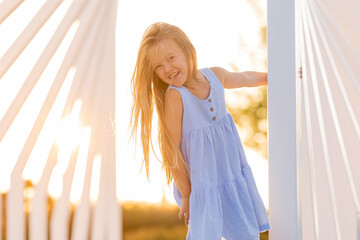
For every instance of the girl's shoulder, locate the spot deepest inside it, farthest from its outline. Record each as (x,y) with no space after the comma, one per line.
(173,95)
(219,73)
(173,103)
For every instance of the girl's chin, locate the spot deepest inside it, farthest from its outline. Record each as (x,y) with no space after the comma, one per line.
(177,82)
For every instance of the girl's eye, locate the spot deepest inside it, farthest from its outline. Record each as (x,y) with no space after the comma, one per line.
(172,57)
(157,67)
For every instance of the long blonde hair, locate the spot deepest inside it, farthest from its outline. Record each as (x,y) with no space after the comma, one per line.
(147,88)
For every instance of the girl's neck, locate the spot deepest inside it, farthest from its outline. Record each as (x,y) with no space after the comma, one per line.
(197,82)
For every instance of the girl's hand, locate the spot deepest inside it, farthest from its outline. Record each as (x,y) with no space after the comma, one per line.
(184,210)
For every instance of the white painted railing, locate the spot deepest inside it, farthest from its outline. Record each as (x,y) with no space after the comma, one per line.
(58,184)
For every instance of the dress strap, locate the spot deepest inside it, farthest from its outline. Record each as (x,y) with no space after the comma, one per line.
(207,73)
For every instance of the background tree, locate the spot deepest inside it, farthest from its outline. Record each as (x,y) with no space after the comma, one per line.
(248,106)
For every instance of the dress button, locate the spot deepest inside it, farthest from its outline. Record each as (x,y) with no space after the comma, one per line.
(212,109)
(214,118)
(209,100)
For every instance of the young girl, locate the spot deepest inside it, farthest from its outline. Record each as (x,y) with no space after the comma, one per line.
(200,146)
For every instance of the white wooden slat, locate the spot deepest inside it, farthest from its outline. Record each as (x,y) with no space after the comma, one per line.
(101,93)
(319,105)
(307,138)
(96,96)
(100,221)
(340,130)
(83,215)
(92,117)
(340,52)
(59,222)
(81,222)
(97,225)
(27,35)
(16,191)
(88,81)
(7,7)
(331,61)
(38,224)
(77,187)
(40,66)
(15,207)
(108,210)
(108,153)
(60,76)
(338,78)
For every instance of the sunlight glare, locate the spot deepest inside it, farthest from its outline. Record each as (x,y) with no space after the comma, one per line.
(68,139)
(39,156)
(68,136)
(55,184)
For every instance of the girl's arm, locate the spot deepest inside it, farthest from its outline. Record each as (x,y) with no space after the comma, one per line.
(240,79)
(173,121)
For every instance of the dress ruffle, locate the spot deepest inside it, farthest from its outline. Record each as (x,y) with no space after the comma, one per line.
(212,203)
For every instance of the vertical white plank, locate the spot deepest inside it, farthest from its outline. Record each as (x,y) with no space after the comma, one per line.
(81,221)
(59,222)
(15,213)
(38,216)
(106,218)
(38,224)
(108,145)
(282,120)
(98,227)
(91,96)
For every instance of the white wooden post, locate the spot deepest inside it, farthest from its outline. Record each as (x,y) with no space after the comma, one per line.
(282,120)
(107,199)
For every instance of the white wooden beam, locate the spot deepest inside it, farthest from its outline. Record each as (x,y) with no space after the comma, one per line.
(282,120)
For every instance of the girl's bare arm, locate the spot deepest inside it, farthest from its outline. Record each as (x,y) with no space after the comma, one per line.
(173,121)
(240,79)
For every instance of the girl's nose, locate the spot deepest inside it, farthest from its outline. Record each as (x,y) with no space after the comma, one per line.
(167,67)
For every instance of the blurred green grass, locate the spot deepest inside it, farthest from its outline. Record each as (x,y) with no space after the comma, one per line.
(144,221)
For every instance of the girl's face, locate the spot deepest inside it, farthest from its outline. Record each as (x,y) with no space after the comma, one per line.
(170,63)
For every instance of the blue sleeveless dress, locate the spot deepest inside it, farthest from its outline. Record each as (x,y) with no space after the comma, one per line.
(224,201)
